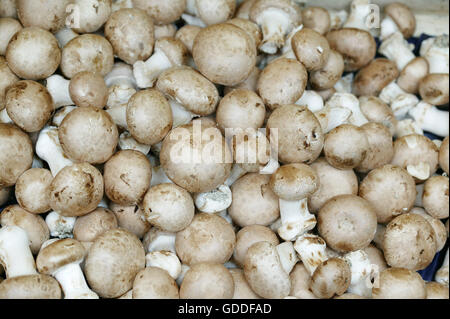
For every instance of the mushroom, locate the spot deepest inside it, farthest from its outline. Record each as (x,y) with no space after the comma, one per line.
(435,196)
(399,283)
(350,102)
(251,28)
(433,88)
(444,155)
(154,283)
(327,76)
(400,101)
(409,242)
(437,225)
(398,50)
(131,218)
(332,277)
(317,19)
(311,250)
(398,17)
(347,223)
(375,110)
(311,49)
(242,289)
(207,281)
(364,274)
(30,287)
(412,74)
(33,190)
(390,190)
(234,56)
(435,50)
(58,88)
(7,78)
(60,226)
(429,118)
(361,16)
(372,78)
(300,280)
(16,154)
(376,258)
(212,11)
(8,27)
(162,12)
(166,260)
(312,100)
(186,34)
(88,16)
(90,226)
(88,89)
(436,290)
(48,15)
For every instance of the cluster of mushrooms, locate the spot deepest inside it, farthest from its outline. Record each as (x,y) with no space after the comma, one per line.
(95,93)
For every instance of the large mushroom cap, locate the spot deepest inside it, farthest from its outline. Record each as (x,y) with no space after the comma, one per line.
(435,196)
(310,48)
(33,190)
(371,79)
(58,254)
(49,14)
(294,181)
(30,287)
(403,17)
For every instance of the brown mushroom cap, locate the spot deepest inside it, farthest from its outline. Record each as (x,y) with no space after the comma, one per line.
(242,289)
(88,134)
(162,12)
(58,254)
(16,154)
(87,52)
(8,27)
(375,110)
(88,89)
(310,48)
(390,190)
(49,15)
(435,196)
(332,277)
(437,225)
(168,207)
(409,242)
(196,176)
(149,116)
(33,190)
(29,105)
(444,155)
(331,72)
(92,15)
(154,283)
(131,218)
(250,27)
(207,281)
(254,202)
(208,239)
(357,47)
(76,190)
(214,12)
(88,227)
(300,136)
(294,181)
(30,287)
(346,146)
(434,88)
(399,283)
(300,280)
(34,225)
(45,57)
(372,78)
(436,290)
(8,9)
(121,249)
(403,17)
(224,53)
(127,176)
(332,182)
(412,74)
(347,223)
(131,33)
(186,34)
(316,18)
(282,81)
(7,78)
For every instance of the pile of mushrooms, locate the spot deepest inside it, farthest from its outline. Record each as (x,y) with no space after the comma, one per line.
(220,149)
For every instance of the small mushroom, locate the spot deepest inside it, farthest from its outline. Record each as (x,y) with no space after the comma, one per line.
(437,225)
(33,190)
(131,218)
(186,34)
(372,78)
(162,12)
(311,49)
(434,88)
(399,283)
(88,89)
(48,15)
(375,110)
(412,74)
(30,287)
(330,73)
(398,17)
(300,281)
(332,277)
(90,226)
(435,196)
(154,283)
(317,19)
(381,148)
(88,16)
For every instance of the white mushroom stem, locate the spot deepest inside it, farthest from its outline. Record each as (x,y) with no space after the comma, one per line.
(15,253)
(60,226)
(406,127)
(312,100)
(442,273)
(49,149)
(162,241)
(274,25)
(337,18)
(184,270)
(271,166)
(344,85)
(436,52)
(430,118)
(4,117)
(73,283)
(127,142)
(58,87)
(61,114)
(193,20)
(64,35)
(213,201)
(359,14)
(387,27)
(166,260)
(364,273)
(350,102)
(421,170)
(399,101)
(295,218)
(288,256)
(397,49)
(332,117)
(180,114)
(311,250)
(146,73)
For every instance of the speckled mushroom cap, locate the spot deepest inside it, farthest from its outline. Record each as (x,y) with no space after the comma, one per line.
(34,225)
(409,78)
(399,283)
(7,78)
(46,14)
(168,207)
(347,223)
(300,136)
(241,288)
(58,254)
(248,26)
(131,34)
(390,190)
(87,52)
(207,281)
(444,155)
(33,190)
(45,58)
(249,235)
(437,290)
(16,154)
(300,280)
(316,18)
(30,287)
(310,48)
(154,283)
(204,173)
(434,88)
(357,46)
(8,27)
(437,225)
(414,149)
(186,34)
(76,190)
(88,89)
(29,105)
(92,15)
(282,81)
(403,17)
(88,227)
(127,176)
(208,239)
(162,12)
(409,242)
(375,110)
(264,273)
(331,72)
(332,277)
(294,181)
(112,263)
(254,202)
(333,182)
(224,53)
(88,134)
(188,87)
(149,116)
(131,218)
(346,146)
(372,78)
(217,11)
(435,196)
